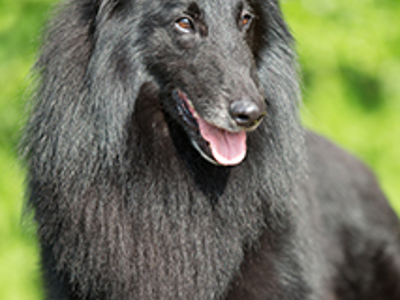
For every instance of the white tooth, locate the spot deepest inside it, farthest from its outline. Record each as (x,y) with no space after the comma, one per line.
(205,156)
(192,107)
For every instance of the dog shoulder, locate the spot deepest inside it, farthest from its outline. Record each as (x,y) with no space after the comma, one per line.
(360,230)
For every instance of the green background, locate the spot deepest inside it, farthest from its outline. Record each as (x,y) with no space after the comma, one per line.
(350,56)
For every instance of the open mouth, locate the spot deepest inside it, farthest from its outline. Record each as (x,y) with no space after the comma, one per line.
(217,145)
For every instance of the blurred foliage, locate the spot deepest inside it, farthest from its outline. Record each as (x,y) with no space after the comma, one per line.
(350,58)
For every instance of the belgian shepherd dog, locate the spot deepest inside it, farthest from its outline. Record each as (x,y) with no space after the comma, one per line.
(167,161)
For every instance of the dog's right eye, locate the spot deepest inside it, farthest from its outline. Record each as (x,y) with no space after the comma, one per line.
(184,25)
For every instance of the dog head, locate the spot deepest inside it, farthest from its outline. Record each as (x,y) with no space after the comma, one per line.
(204,55)
(217,68)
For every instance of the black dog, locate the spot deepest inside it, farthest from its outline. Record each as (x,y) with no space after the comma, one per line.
(167,161)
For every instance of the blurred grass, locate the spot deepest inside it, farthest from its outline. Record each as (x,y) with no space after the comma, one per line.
(350,56)
(20,23)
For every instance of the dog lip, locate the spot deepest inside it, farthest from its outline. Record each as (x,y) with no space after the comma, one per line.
(185,110)
(217,145)
(189,116)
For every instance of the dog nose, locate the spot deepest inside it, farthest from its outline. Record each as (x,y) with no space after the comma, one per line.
(247,114)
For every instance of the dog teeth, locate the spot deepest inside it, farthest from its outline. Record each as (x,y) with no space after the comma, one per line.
(192,110)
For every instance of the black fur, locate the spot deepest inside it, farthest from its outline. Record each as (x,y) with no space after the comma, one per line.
(128,208)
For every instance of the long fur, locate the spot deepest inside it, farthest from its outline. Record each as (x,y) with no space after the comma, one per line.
(126,207)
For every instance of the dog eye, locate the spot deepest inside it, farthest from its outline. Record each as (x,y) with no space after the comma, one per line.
(184,24)
(245,20)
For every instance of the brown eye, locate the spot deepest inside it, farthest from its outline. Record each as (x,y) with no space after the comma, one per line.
(184,25)
(245,20)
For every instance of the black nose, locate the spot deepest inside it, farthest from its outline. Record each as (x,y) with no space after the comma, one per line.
(247,113)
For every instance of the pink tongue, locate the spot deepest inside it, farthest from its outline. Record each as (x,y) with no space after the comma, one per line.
(228,148)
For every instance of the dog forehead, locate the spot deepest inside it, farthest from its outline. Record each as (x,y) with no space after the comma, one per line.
(215,7)
(217,4)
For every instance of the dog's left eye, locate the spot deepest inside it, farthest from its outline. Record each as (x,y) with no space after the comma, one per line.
(245,20)
(184,24)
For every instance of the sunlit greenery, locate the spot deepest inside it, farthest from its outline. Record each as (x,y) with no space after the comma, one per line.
(350,57)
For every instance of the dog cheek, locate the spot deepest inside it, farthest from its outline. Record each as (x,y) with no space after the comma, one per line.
(186,42)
